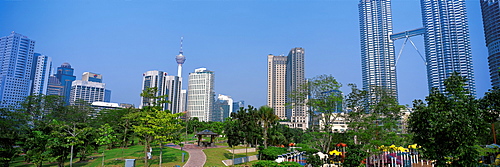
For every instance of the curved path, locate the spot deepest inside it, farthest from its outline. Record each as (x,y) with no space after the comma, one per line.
(197,157)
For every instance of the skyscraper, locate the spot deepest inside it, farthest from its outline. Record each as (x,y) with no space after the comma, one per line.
(201,94)
(276,74)
(173,92)
(167,85)
(16,58)
(223,107)
(447,42)
(65,76)
(54,86)
(295,78)
(491,24)
(40,73)
(87,91)
(377,50)
(153,79)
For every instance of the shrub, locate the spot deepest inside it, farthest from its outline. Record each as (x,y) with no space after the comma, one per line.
(271,153)
(275,164)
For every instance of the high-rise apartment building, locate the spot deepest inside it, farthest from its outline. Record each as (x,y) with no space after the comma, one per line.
(297,111)
(166,85)
(88,91)
(16,58)
(65,76)
(491,24)
(447,42)
(40,73)
(377,50)
(201,94)
(276,74)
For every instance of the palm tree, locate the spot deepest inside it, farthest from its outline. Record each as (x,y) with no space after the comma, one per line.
(266,118)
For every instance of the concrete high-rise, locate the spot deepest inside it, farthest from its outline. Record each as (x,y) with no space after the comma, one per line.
(40,73)
(88,91)
(65,76)
(491,24)
(447,42)
(276,77)
(16,63)
(297,112)
(377,50)
(200,94)
(166,85)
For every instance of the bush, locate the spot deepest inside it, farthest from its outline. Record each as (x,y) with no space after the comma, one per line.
(271,153)
(275,164)
(266,163)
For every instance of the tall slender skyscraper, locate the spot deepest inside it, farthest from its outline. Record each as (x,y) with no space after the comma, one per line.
(40,73)
(447,42)
(491,24)
(16,58)
(276,74)
(66,77)
(294,79)
(201,94)
(377,50)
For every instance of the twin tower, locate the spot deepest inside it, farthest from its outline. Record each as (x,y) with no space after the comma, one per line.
(446,37)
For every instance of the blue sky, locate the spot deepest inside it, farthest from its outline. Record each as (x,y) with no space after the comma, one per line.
(121,39)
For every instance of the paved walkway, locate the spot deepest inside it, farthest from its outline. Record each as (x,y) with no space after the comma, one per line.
(197,157)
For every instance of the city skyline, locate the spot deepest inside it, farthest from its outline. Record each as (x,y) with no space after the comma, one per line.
(230,38)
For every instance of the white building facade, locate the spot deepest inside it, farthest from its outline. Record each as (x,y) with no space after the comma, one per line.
(200,94)
(87,91)
(41,70)
(16,58)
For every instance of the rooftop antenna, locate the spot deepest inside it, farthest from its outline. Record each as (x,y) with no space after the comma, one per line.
(181,52)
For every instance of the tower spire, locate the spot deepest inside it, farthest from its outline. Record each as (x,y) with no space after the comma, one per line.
(181,52)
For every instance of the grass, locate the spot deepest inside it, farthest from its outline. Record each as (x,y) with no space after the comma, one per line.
(216,155)
(114,158)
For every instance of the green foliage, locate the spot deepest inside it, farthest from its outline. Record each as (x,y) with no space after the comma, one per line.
(314,160)
(275,164)
(375,124)
(448,126)
(355,154)
(266,118)
(271,153)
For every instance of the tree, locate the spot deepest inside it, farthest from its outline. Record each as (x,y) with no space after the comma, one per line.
(448,126)
(266,119)
(106,137)
(324,99)
(374,122)
(152,122)
(11,130)
(490,103)
(234,132)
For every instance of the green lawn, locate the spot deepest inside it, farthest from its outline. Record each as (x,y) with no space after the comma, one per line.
(114,157)
(216,155)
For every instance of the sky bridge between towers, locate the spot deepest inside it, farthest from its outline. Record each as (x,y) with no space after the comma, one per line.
(406,35)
